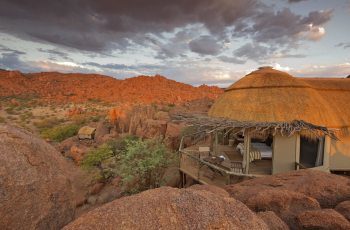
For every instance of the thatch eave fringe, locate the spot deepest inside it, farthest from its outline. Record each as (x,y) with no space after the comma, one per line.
(208,124)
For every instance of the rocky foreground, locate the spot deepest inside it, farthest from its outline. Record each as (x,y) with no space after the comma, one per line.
(54,87)
(36,192)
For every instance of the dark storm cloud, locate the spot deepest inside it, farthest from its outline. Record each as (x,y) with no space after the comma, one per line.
(112,66)
(12,51)
(103,25)
(295,1)
(205,45)
(54,53)
(254,52)
(283,27)
(231,60)
(344,45)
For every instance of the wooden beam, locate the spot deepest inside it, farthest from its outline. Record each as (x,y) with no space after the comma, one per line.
(216,143)
(246,156)
(181,179)
(211,142)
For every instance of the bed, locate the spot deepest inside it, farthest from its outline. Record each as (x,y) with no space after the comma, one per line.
(257,151)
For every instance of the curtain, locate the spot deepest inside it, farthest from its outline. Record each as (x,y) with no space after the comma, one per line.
(320,153)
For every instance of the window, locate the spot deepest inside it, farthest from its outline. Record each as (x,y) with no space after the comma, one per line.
(311,152)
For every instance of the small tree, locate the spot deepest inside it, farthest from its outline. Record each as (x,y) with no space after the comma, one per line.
(97,159)
(120,144)
(144,163)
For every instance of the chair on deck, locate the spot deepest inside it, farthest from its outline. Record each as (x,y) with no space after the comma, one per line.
(204,152)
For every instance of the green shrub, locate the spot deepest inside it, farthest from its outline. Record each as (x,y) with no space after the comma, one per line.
(78,119)
(118,146)
(60,133)
(2,120)
(95,159)
(144,163)
(9,110)
(41,117)
(47,123)
(171,105)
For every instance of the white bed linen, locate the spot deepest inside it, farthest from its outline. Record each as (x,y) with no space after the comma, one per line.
(266,151)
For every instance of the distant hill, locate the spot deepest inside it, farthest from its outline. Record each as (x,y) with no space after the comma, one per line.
(60,88)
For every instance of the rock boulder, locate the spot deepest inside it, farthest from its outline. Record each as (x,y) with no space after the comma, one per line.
(273,221)
(35,189)
(322,219)
(344,209)
(198,207)
(285,204)
(100,132)
(328,189)
(150,128)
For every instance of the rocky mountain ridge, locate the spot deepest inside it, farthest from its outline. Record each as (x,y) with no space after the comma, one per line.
(55,87)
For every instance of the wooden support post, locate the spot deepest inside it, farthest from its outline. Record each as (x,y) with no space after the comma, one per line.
(211,142)
(246,156)
(198,173)
(227,179)
(223,138)
(216,143)
(181,177)
(183,180)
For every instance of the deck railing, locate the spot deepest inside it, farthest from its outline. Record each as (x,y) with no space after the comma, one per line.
(191,158)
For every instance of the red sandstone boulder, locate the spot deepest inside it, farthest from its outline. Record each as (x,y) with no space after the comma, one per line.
(74,111)
(328,189)
(272,220)
(322,219)
(140,114)
(344,209)
(96,188)
(81,202)
(35,189)
(68,143)
(151,128)
(178,109)
(172,132)
(163,116)
(170,208)
(128,119)
(100,132)
(285,204)
(77,152)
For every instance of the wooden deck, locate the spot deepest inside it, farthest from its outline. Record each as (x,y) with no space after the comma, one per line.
(189,166)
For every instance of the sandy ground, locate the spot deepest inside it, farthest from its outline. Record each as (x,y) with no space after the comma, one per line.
(44,111)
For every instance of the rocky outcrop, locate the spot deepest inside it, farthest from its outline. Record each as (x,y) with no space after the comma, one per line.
(172,132)
(151,128)
(272,221)
(35,189)
(100,132)
(163,116)
(344,209)
(285,204)
(129,119)
(328,189)
(60,88)
(140,114)
(325,219)
(74,111)
(198,207)
(67,144)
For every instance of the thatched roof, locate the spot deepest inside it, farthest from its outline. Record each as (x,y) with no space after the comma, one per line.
(86,130)
(269,95)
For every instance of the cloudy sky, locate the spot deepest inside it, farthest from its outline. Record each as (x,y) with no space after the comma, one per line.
(215,42)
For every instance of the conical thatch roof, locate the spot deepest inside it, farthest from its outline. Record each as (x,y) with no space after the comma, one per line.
(268,95)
